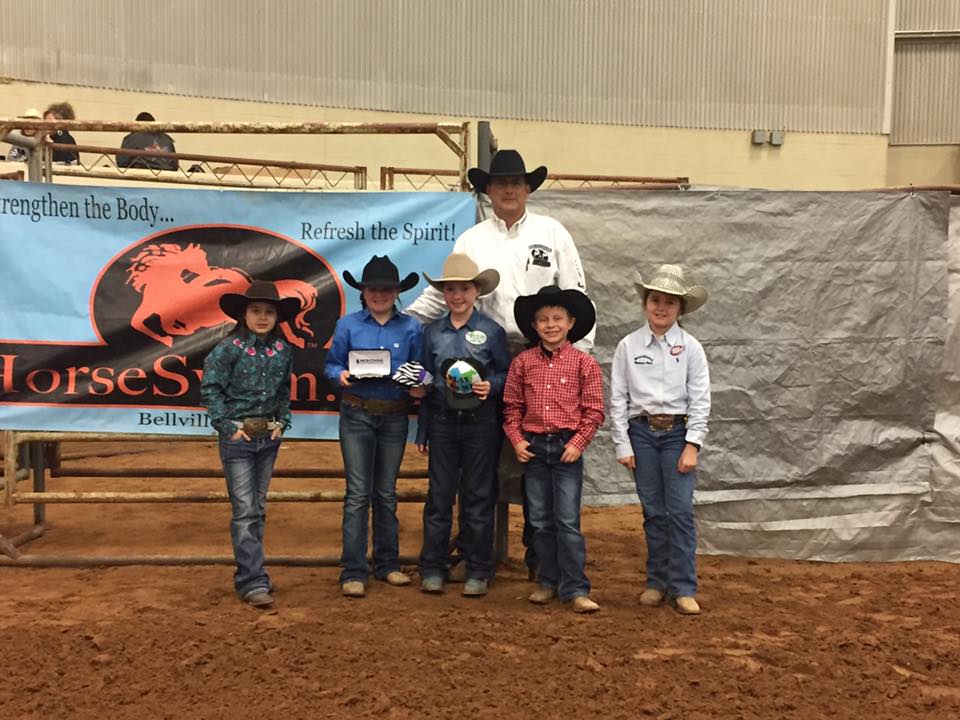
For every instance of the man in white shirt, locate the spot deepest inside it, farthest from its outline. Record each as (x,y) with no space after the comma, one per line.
(529,251)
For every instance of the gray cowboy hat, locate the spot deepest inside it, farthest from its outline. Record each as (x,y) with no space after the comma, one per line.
(576,303)
(460,268)
(670,279)
(235,305)
(506,163)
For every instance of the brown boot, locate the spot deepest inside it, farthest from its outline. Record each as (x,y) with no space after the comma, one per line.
(542,595)
(582,604)
(353,589)
(651,597)
(398,578)
(687,606)
(458,573)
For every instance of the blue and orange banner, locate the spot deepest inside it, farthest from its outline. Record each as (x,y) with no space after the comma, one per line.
(109,296)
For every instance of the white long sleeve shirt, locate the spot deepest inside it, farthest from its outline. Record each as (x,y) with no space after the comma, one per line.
(659,376)
(536,251)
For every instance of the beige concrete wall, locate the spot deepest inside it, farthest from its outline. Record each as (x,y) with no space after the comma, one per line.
(924,165)
(708,157)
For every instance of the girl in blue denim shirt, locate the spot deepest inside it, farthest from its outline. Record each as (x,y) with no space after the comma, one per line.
(246,389)
(373,421)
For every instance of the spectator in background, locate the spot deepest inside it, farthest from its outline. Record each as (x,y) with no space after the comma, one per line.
(19,154)
(62,111)
(157,141)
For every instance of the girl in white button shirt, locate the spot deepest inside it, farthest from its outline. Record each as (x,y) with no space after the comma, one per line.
(659,405)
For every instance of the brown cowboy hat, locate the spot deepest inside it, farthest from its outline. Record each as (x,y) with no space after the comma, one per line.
(506,163)
(576,303)
(460,268)
(235,305)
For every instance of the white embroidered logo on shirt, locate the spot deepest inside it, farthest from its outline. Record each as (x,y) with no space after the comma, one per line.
(538,256)
(643,360)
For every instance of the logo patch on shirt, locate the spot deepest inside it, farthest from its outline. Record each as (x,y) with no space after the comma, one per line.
(476,337)
(538,256)
(676,350)
(643,360)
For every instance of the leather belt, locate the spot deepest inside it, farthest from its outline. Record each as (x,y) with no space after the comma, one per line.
(663,422)
(374,406)
(257,426)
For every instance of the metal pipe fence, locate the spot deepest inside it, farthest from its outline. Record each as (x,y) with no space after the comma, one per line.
(40,497)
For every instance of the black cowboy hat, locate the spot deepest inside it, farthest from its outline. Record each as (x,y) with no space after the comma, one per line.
(506,163)
(235,305)
(380,271)
(576,303)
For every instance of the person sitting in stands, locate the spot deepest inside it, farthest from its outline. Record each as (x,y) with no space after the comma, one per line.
(62,111)
(17,153)
(155,141)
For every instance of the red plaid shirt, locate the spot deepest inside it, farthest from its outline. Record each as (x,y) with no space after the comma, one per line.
(548,392)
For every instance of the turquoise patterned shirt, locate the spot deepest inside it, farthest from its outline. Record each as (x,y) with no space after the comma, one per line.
(247,376)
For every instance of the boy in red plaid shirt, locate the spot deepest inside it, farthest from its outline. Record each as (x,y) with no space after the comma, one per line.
(553,405)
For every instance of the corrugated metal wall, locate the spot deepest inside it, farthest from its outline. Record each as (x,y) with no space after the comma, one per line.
(928,14)
(815,65)
(926,96)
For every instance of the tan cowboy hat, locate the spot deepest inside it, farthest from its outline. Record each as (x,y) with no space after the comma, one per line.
(460,268)
(670,279)
(31,114)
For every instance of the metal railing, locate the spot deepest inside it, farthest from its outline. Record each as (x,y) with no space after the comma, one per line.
(419,178)
(245,171)
(40,497)
(198,169)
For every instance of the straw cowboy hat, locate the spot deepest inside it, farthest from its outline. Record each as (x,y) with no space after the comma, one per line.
(670,279)
(575,302)
(460,268)
(31,114)
(235,305)
(381,272)
(506,163)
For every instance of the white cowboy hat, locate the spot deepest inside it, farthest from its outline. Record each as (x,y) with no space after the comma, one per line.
(670,279)
(460,268)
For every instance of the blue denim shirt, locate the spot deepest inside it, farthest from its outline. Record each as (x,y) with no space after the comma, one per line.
(481,339)
(247,376)
(402,335)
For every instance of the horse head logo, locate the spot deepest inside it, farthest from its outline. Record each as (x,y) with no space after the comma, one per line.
(180,293)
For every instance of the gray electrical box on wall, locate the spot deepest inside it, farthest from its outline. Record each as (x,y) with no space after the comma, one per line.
(776,138)
(759,137)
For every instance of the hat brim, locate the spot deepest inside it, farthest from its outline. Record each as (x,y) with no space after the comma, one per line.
(694,296)
(486,281)
(408,282)
(481,178)
(235,306)
(575,302)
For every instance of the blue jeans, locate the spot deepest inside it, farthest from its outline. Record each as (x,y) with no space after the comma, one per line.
(553,495)
(248,468)
(372,448)
(463,457)
(667,498)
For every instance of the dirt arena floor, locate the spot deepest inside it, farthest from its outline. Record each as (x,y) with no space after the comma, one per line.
(776,640)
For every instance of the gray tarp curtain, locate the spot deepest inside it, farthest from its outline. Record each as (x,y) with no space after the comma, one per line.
(831,332)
